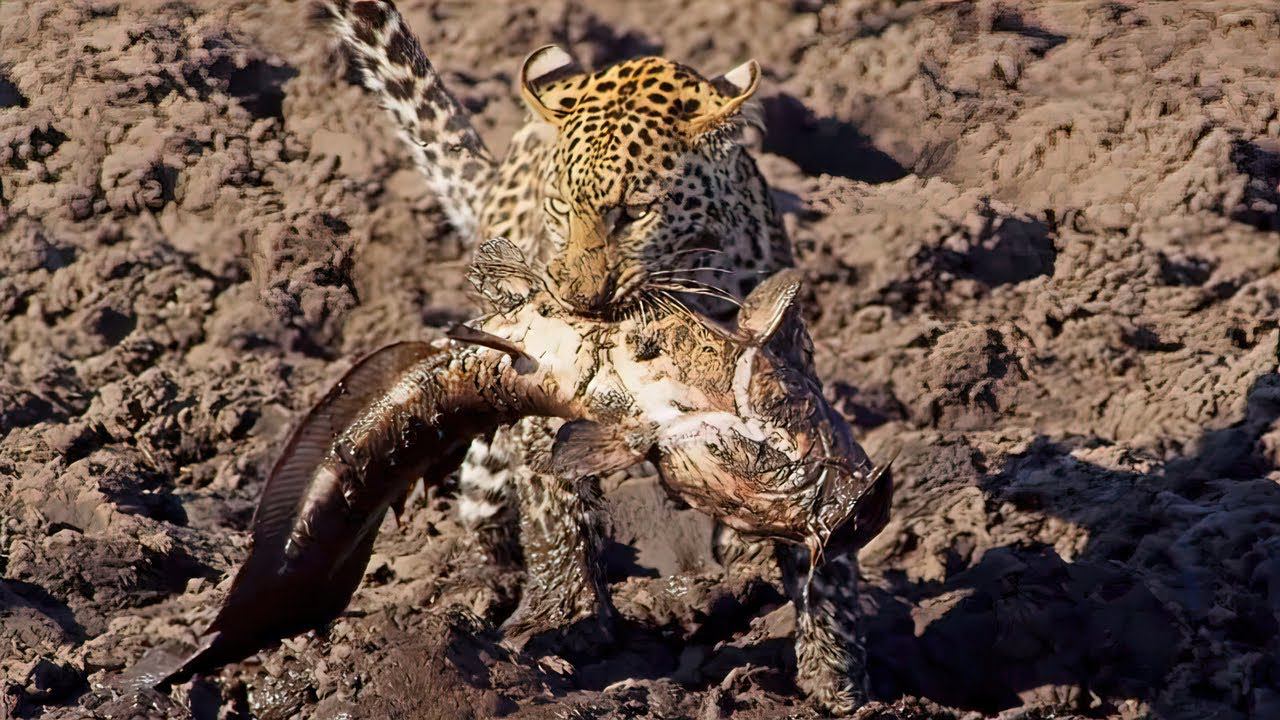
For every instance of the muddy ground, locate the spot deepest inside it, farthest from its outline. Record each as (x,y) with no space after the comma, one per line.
(1042,245)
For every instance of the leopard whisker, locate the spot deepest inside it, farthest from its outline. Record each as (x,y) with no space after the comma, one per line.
(676,306)
(692,282)
(690,291)
(673,305)
(693,251)
(698,289)
(642,303)
(672,272)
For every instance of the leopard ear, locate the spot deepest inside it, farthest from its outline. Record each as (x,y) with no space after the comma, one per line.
(739,84)
(542,65)
(743,79)
(767,307)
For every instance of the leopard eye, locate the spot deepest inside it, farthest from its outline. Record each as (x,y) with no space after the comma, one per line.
(558,206)
(637,211)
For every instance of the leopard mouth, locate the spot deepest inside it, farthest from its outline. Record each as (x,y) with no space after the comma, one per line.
(627,296)
(619,298)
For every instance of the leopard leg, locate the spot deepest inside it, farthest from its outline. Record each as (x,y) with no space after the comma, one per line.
(563,529)
(487,496)
(830,655)
(743,558)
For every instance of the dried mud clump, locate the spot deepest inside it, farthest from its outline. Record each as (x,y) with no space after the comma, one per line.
(1042,252)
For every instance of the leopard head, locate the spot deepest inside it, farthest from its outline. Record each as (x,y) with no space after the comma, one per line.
(646,186)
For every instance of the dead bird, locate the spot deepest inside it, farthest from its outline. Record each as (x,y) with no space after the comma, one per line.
(735,426)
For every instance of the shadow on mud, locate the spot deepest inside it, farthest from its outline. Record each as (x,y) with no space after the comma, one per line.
(824,145)
(1149,586)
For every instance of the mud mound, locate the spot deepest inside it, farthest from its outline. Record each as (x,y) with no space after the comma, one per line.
(1041,240)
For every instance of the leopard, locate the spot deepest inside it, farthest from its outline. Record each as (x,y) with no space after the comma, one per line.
(627,187)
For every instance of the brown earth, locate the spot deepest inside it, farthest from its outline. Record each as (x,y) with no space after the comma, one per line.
(1043,252)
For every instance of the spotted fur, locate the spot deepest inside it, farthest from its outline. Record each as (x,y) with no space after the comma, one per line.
(830,655)
(434,126)
(647,185)
(558,554)
(638,178)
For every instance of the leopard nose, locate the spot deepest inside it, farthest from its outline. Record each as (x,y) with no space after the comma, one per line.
(593,297)
(585,276)
(586,291)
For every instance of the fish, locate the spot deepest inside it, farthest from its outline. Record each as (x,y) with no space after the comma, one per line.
(733,419)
